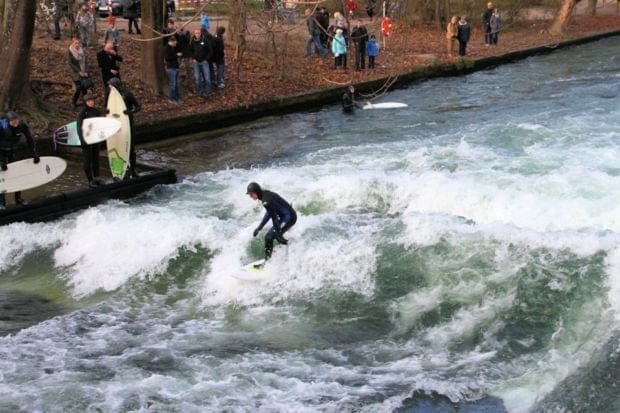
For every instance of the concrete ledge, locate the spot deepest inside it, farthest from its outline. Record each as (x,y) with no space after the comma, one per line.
(56,206)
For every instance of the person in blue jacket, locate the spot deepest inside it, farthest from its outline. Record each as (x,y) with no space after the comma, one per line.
(372,50)
(279,211)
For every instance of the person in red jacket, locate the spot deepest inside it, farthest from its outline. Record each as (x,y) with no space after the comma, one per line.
(351,6)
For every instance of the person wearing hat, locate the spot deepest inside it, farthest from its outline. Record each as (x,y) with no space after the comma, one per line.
(9,138)
(281,213)
(133,106)
(91,152)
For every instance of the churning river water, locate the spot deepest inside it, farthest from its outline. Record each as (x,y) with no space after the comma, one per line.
(461,255)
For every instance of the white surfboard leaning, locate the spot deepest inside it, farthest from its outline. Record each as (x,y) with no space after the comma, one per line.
(94,130)
(119,144)
(254,271)
(385,105)
(26,174)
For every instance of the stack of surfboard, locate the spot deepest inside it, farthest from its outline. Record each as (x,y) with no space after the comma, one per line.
(114,129)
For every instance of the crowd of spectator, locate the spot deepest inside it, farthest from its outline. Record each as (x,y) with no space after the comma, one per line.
(341,39)
(200,53)
(459,30)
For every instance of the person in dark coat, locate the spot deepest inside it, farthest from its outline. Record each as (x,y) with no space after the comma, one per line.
(108,61)
(314,34)
(486,23)
(171,60)
(463,32)
(130,12)
(90,152)
(170,9)
(359,34)
(278,210)
(183,38)
(133,106)
(370,7)
(218,56)
(62,10)
(322,18)
(201,53)
(11,132)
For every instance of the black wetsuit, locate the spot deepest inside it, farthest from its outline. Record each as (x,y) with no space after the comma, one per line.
(282,215)
(133,106)
(9,138)
(348,103)
(91,152)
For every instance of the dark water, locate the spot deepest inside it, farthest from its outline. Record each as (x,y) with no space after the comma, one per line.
(461,255)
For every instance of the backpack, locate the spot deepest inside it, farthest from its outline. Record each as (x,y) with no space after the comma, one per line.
(4,124)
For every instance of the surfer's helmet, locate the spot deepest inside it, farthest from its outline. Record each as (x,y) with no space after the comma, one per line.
(255,188)
(116,82)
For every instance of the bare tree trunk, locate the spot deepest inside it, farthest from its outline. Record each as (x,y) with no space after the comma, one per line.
(237,26)
(438,14)
(563,17)
(153,73)
(592,7)
(17,18)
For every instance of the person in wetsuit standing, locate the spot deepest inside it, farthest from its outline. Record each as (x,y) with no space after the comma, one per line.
(9,138)
(91,152)
(281,213)
(348,100)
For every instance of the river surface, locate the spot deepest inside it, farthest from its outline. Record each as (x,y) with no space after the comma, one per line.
(462,254)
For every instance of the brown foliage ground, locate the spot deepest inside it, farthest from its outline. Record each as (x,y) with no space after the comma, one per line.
(261,78)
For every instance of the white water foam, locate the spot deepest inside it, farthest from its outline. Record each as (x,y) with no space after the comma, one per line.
(613,265)
(18,240)
(106,246)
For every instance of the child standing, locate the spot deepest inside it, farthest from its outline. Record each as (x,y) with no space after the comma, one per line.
(339,49)
(372,50)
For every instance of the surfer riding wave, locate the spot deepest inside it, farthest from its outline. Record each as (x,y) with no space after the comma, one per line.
(281,213)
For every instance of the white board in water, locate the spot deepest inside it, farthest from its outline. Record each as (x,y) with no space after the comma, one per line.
(254,271)
(119,144)
(385,105)
(26,174)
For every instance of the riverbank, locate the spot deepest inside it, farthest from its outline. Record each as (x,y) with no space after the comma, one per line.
(158,130)
(263,86)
